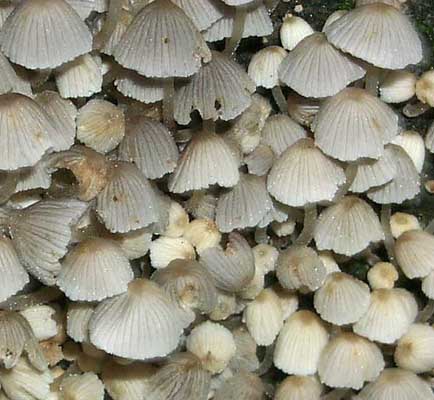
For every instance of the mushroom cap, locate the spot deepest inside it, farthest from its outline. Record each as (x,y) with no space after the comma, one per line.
(314,68)
(353,124)
(162,42)
(212,95)
(303,175)
(41,34)
(377,33)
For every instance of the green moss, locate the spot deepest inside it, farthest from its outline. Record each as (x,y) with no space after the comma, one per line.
(345,5)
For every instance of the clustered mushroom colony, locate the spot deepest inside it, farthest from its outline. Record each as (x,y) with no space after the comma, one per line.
(177,225)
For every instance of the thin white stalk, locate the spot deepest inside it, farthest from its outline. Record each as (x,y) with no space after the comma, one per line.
(426,313)
(389,241)
(169,94)
(237,31)
(280,99)
(208,125)
(113,14)
(306,235)
(350,175)
(413,110)
(261,235)
(336,394)
(267,361)
(372,80)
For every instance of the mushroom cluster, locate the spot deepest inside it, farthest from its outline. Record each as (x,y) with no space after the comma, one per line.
(178,223)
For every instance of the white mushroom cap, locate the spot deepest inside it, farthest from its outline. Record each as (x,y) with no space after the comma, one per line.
(41,34)
(342,299)
(81,77)
(354,124)
(25,133)
(213,344)
(13,275)
(348,227)
(203,234)
(150,146)
(349,361)
(402,222)
(395,45)
(207,160)
(41,320)
(299,388)
(429,139)
(280,132)
(126,382)
(413,144)
(299,267)
(396,383)
(300,343)
(213,97)
(314,68)
(137,87)
(203,13)
(303,174)
(86,386)
(382,275)
(41,234)
(264,317)
(334,16)
(25,382)
(120,203)
(94,270)
(163,25)
(372,173)
(414,251)
(428,285)
(139,324)
(232,268)
(390,314)
(293,30)
(264,66)
(245,205)
(398,86)
(424,88)
(182,374)
(166,249)
(404,186)
(63,114)
(415,350)
(78,317)
(100,125)
(242,386)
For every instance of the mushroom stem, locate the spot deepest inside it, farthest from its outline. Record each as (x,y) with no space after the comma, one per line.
(389,242)
(169,94)
(336,394)
(430,227)
(372,80)
(8,183)
(208,125)
(413,110)
(237,31)
(426,313)
(350,175)
(306,235)
(271,4)
(267,361)
(113,14)
(261,235)
(280,99)
(23,301)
